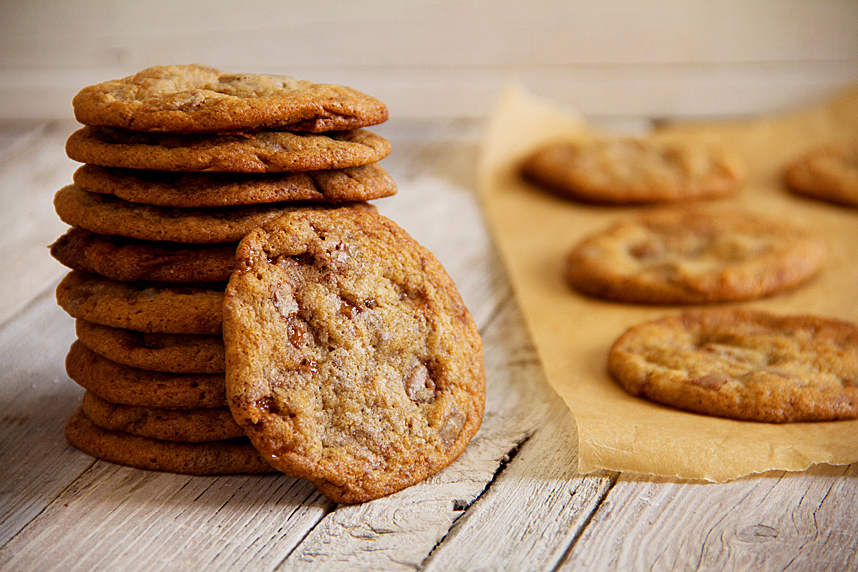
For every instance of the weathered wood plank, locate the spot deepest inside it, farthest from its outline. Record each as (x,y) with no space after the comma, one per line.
(117,518)
(777,521)
(36,398)
(535,507)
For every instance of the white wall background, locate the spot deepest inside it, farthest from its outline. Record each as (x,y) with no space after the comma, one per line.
(446,58)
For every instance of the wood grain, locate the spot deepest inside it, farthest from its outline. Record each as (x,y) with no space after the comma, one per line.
(777,521)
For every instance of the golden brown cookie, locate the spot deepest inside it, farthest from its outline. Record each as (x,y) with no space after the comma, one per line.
(174,189)
(686,256)
(351,359)
(210,458)
(744,365)
(170,353)
(828,173)
(194,98)
(258,152)
(118,383)
(630,171)
(104,214)
(186,425)
(141,307)
(128,259)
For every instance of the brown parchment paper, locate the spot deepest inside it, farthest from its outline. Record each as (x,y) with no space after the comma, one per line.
(573,334)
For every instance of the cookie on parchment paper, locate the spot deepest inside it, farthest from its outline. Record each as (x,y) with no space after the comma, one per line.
(170,353)
(199,99)
(743,364)
(694,256)
(632,171)
(208,458)
(258,152)
(191,190)
(352,361)
(828,173)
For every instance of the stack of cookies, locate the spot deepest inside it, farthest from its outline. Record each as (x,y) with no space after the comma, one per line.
(180,163)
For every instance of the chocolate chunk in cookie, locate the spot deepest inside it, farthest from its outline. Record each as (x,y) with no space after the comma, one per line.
(258,152)
(175,189)
(351,359)
(693,256)
(194,99)
(828,173)
(741,364)
(630,171)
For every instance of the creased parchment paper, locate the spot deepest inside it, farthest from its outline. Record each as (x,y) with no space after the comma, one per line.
(573,334)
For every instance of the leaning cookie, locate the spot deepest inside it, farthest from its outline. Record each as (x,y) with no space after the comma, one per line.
(176,189)
(741,364)
(209,458)
(195,99)
(259,152)
(351,359)
(105,214)
(828,173)
(690,256)
(631,171)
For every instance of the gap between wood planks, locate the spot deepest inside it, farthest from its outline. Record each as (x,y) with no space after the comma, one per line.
(612,480)
(463,505)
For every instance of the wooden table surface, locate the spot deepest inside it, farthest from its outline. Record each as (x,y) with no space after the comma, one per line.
(512,501)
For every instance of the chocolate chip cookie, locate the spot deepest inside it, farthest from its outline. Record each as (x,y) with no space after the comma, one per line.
(185,425)
(140,306)
(692,256)
(118,383)
(174,189)
(828,173)
(742,364)
(195,98)
(209,458)
(170,353)
(257,152)
(105,214)
(630,171)
(128,259)
(351,359)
